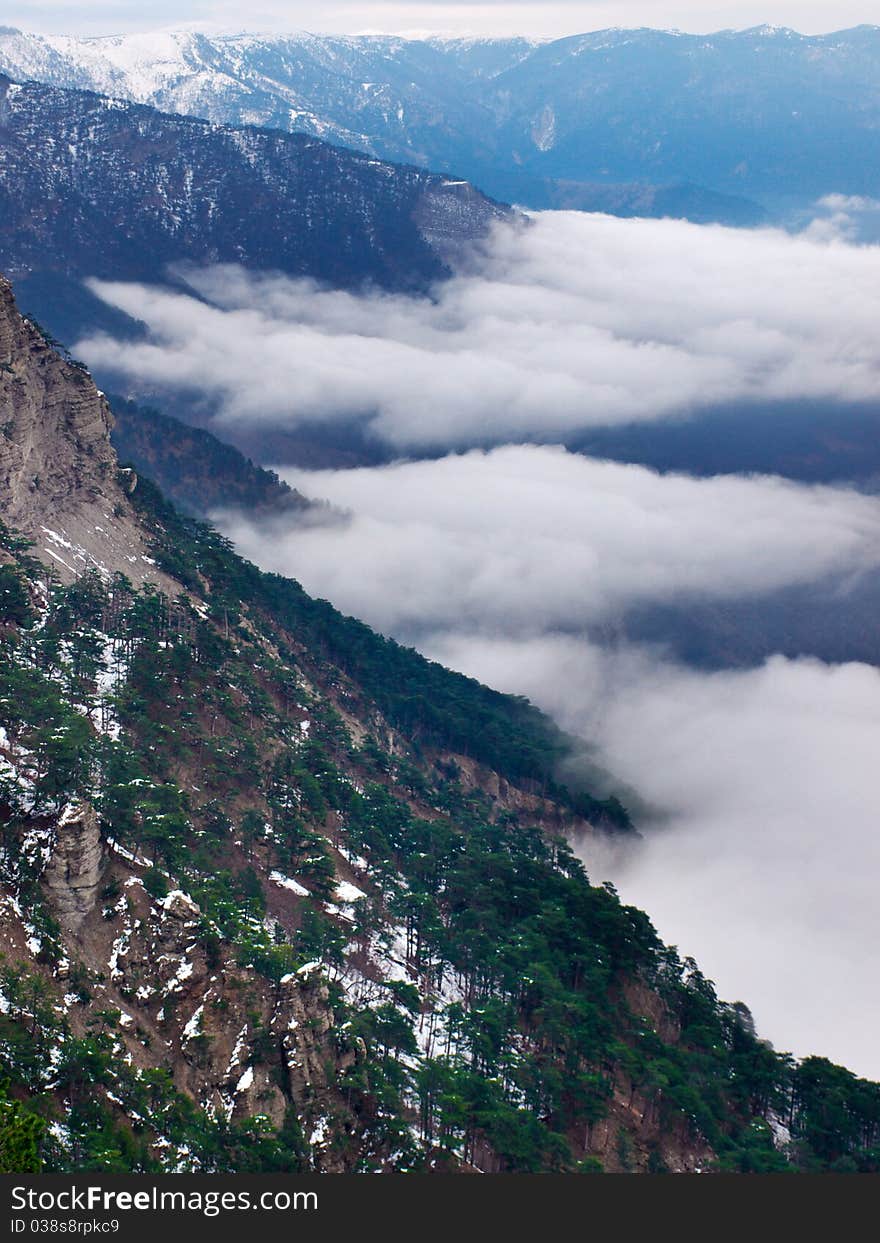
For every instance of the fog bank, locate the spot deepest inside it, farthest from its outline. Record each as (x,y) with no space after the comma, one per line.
(763,856)
(579,321)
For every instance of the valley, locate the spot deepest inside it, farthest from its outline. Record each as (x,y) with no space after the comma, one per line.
(439,559)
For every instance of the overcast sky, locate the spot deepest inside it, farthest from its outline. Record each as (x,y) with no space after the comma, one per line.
(546,19)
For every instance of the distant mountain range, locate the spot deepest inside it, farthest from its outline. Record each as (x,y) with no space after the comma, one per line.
(91,186)
(630,121)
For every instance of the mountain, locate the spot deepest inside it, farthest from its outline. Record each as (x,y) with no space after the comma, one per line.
(277,894)
(195,470)
(833,619)
(707,126)
(91,186)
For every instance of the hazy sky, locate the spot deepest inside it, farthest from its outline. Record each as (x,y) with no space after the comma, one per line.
(550,18)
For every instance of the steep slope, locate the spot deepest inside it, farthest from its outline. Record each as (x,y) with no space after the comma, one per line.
(91,186)
(705,124)
(194,469)
(58,473)
(276,894)
(767,112)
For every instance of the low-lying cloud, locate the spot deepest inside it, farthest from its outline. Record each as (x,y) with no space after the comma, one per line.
(763,856)
(578,321)
(845,218)
(526,539)
(763,865)
(520,564)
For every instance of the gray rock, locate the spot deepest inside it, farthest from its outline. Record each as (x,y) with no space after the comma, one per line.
(73,874)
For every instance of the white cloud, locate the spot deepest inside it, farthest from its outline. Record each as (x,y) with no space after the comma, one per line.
(849,202)
(763,859)
(518,564)
(845,218)
(579,321)
(526,539)
(764,866)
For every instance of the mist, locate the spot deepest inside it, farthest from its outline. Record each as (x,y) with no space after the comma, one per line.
(577,321)
(518,562)
(527,539)
(760,853)
(762,858)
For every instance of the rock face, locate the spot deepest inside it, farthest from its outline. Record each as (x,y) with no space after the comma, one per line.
(236,1043)
(58,471)
(73,874)
(52,417)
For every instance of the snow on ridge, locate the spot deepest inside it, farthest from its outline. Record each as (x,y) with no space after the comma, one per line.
(194,1025)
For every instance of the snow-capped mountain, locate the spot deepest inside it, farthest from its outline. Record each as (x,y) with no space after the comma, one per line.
(764,114)
(93,186)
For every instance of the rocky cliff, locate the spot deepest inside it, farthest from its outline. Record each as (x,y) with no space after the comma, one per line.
(59,480)
(73,873)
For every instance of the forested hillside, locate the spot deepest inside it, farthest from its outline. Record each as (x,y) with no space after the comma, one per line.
(631,121)
(197,472)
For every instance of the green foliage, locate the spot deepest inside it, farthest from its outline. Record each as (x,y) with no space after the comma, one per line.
(20,1135)
(15,606)
(155,883)
(56,743)
(837,1117)
(198,472)
(425,701)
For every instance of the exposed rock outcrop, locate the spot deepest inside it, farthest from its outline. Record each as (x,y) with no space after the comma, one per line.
(73,875)
(58,472)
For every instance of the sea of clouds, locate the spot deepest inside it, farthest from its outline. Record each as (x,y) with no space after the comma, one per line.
(761,856)
(576,321)
(518,561)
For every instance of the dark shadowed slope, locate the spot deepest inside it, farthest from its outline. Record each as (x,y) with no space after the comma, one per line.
(91,186)
(194,469)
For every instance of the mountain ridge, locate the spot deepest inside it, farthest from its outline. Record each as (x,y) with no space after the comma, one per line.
(197,472)
(780,118)
(93,186)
